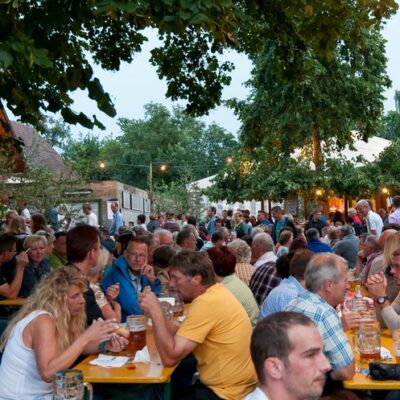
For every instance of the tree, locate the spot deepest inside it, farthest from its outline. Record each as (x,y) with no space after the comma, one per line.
(47,46)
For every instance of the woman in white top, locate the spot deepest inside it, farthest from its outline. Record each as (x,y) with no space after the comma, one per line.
(47,335)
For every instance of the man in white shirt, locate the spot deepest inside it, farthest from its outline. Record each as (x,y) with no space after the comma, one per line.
(374,221)
(290,365)
(91,217)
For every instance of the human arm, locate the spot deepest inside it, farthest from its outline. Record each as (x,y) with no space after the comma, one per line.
(350,320)
(172,348)
(344,373)
(42,334)
(359,262)
(10,291)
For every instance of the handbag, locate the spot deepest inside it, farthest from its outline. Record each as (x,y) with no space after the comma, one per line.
(383,372)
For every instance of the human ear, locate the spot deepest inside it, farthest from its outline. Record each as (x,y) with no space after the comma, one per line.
(274,367)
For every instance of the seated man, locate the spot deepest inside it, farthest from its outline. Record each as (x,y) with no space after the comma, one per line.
(216,330)
(289,288)
(290,364)
(133,274)
(314,244)
(8,249)
(58,257)
(326,283)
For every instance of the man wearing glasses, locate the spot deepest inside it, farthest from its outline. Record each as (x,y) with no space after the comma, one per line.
(133,274)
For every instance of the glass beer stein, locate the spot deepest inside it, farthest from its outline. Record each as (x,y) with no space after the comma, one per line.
(69,385)
(367,341)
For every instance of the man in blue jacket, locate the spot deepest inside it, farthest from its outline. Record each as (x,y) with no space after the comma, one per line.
(133,274)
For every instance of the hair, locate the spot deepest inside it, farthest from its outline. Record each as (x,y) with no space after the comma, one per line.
(298,263)
(263,241)
(312,234)
(100,264)
(9,212)
(223,259)
(191,220)
(184,234)
(241,250)
(161,231)
(191,263)
(257,230)
(396,201)
(362,237)
(87,205)
(395,227)
(372,240)
(18,225)
(38,223)
(285,237)
(364,203)
(218,235)
(162,256)
(277,209)
(239,214)
(153,216)
(60,234)
(298,244)
(346,230)
(32,239)
(213,209)
(6,242)
(49,236)
(322,267)
(282,265)
(392,243)
(51,295)
(123,240)
(141,218)
(270,338)
(81,240)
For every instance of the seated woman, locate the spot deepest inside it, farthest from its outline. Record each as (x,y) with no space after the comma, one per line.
(224,265)
(19,229)
(48,334)
(35,246)
(109,307)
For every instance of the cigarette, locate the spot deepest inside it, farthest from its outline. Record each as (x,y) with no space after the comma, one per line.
(26,251)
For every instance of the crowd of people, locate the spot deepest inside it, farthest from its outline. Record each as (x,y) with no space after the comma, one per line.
(265,319)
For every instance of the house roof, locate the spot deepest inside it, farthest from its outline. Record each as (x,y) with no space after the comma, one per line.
(38,151)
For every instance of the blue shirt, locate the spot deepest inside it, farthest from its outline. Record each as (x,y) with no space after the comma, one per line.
(336,343)
(281,296)
(317,246)
(211,226)
(117,222)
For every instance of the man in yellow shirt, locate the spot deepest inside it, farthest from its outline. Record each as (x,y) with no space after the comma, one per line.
(216,330)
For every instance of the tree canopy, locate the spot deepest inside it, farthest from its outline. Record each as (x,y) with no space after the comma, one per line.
(47,47)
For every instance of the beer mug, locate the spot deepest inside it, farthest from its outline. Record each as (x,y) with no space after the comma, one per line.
(136,325)
(367,341)
(69,385)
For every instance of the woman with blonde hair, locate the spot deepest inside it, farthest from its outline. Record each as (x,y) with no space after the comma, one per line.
(48,334)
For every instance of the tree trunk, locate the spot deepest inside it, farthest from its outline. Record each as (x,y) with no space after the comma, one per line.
(316,148)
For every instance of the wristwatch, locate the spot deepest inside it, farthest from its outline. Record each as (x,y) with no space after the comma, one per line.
(381,299)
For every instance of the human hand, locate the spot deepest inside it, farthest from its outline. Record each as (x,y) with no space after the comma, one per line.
(116,344)
(148,270)
(148,302)
(100,330)
(361,254)
(377,284)
(112,292)
(350,319)
(22,259)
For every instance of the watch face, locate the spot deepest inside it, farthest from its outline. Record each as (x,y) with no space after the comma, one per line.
(381,299)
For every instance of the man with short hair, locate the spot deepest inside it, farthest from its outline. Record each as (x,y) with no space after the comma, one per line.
(58,258)
(117,220)
(164,237)
(91,217)
(211,214)
(133,274)
(186,239)
(394,216)
(280,222)
(141,221)
(153,224)
(326,283)
(314,243)
(265,277)
(347,247)
(8,249)
(216,330)
(262,218)
(374,221)
(287,352)
(290,287)
(315,221)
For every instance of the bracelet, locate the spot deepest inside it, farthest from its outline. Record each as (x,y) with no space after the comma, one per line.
(102,347)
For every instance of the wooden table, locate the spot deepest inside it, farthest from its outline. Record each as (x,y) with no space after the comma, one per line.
(154,372)
(361,381)
(18,302)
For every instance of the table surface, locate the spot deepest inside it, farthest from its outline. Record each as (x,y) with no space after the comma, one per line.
(154,372)
(362,381)
(19,301)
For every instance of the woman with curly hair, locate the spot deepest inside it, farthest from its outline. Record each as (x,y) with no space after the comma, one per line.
(48,334)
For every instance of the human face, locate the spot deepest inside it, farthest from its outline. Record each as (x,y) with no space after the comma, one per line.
(276,215)
(190,243)
(9,254)
(362,211)
(260,216)
(395,268)
(114,209)
(317,216)
(306,367)
(237,217)
(340,288)
(60,246)
(75,301)
(94,253)
(182,284)
(37,252)
(136,255)
(166,239)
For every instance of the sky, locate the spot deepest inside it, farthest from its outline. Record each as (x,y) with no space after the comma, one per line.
(137,84)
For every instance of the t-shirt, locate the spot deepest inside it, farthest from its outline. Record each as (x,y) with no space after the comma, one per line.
(221,327)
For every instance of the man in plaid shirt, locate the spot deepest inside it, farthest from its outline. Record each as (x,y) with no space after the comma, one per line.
(326,281)
(265,277)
